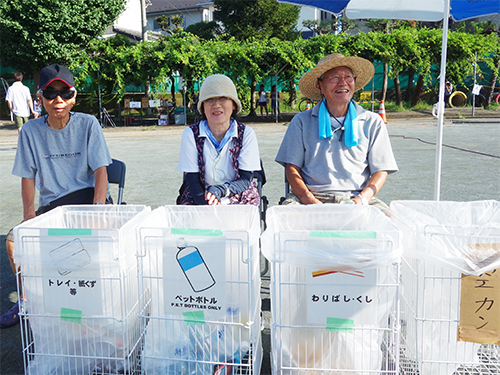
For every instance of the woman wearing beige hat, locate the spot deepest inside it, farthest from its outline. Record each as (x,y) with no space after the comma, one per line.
(337,152)
(219,154)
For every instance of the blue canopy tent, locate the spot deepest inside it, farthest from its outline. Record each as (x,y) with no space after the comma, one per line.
(422,10)
(417,10)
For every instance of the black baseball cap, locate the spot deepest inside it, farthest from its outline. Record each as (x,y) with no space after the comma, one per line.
(55,72)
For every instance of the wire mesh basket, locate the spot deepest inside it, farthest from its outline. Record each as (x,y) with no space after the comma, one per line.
(441,245)
(79,276)
(334,290)
(201,267)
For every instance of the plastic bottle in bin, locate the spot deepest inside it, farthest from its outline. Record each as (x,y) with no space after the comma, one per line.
(194,267)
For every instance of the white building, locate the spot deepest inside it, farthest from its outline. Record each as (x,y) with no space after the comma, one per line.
(308,13)
(192,11)
(129,23)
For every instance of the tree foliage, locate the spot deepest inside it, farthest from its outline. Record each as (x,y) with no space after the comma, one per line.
(36,33)
(171,25)
(114,63)
(205,30)
(333,26)
(262,19)
(258,46)
(319,27)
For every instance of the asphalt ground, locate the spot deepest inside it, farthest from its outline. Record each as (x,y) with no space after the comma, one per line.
(469,172)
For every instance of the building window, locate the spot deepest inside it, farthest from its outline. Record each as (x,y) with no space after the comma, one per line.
(207,15)
(326,16)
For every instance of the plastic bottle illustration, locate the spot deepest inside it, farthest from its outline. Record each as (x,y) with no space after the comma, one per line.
(194,267)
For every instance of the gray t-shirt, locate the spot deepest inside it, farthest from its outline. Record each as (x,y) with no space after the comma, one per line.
(62,161)
(328,165)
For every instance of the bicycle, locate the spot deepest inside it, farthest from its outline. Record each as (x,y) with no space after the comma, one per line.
(306,104)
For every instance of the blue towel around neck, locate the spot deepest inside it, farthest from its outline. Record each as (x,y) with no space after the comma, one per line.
(325,124)
(219,146)
(351,128)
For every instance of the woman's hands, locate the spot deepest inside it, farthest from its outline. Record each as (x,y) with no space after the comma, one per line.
(214,193)
(211,198)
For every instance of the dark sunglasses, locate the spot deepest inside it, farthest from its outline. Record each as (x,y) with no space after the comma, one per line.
(52,94)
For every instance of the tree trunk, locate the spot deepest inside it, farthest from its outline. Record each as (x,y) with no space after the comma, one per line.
(384,83)
(418,91)
(409,86)
(492,82)
(36,78)
(147,93)
(172,90)
(397,87)
(252,102)
(189,92)
(292,97)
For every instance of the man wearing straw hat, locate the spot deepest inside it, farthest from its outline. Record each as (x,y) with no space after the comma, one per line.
(337,152)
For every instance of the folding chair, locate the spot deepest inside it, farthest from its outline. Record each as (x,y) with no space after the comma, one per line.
(116,175)
(287,190)
(260,176)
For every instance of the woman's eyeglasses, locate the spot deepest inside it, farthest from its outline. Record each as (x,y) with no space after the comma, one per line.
(52,94)
(221,99)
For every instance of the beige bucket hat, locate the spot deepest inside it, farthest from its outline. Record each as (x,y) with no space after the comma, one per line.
(218,85)
(362,69)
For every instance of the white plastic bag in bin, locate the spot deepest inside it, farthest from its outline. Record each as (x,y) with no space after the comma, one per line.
(459,236)
(333,287)
(338,237)
(201,265)
(79,272)
(442,241)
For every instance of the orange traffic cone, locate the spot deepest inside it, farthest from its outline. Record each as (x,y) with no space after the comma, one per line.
(308,106)
(381,111)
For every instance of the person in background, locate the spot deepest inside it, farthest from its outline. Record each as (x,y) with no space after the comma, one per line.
(263,101)
(337,152)
(63,154)
(448,90)
(37,105)
(219,154)
(19,101)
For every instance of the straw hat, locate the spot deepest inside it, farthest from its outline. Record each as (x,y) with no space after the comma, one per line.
(362,69)
(218,85)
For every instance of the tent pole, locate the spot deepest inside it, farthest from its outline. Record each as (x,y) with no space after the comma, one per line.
(442,80)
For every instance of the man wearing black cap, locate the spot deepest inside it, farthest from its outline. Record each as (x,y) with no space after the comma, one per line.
(64,152)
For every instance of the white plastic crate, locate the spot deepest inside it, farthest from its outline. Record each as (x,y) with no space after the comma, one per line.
(200,265)
(79,274)
(440,244)
(334,290)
